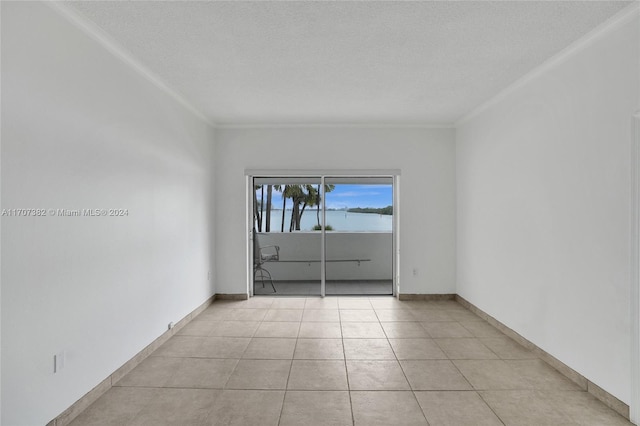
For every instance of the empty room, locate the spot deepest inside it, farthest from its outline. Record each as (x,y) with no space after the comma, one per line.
(320,213)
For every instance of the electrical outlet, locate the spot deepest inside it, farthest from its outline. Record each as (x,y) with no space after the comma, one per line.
(415,272)
(58,362)
(171,325)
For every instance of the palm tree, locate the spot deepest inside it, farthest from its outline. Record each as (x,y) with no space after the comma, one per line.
(327,189)
(318,207)
(308,198)
(283,190)
(267,225)
(261,206)
(297,195)
(302,196)
(256,213)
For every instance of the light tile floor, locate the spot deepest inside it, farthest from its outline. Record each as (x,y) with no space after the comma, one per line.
(343,361)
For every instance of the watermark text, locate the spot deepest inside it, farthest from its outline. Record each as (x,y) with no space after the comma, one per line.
(64,212)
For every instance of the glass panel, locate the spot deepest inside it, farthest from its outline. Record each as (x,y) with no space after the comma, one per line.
(287,249)
(359,237)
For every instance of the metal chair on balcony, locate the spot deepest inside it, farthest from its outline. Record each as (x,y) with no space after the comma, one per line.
(261,255)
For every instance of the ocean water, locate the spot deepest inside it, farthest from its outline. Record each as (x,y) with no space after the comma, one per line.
(339,220)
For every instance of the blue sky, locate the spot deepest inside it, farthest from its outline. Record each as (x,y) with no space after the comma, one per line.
(349,196)
(360,196)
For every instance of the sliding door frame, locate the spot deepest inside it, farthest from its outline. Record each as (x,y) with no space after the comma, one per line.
(634,406)
(394,174)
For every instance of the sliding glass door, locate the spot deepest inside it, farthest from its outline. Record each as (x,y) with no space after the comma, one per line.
(317,235)
(286,236)
(359,237)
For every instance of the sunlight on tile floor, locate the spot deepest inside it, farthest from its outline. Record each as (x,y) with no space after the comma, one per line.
(343,361)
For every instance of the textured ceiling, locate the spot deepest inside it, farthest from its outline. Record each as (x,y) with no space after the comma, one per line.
(343,62)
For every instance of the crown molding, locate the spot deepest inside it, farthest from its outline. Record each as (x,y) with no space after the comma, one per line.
(110,44)
(616,21)
(105,40)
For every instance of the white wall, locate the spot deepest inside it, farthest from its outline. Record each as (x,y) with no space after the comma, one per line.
(427,206)
(543,196)
(81,129)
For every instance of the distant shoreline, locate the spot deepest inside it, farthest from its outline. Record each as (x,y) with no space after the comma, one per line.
(384,210)
(339,220)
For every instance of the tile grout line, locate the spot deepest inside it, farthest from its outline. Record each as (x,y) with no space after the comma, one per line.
(413,392)
(286,386)
(346,369)
(530,384)
(88,399)
(605,397)
(490,408)
(474,390)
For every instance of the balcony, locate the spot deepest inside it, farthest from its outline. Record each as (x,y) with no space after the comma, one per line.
(356,263)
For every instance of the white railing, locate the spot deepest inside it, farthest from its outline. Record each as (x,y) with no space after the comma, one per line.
(350,255)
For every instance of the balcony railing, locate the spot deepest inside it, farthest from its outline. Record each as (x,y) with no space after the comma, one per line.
(350,256)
